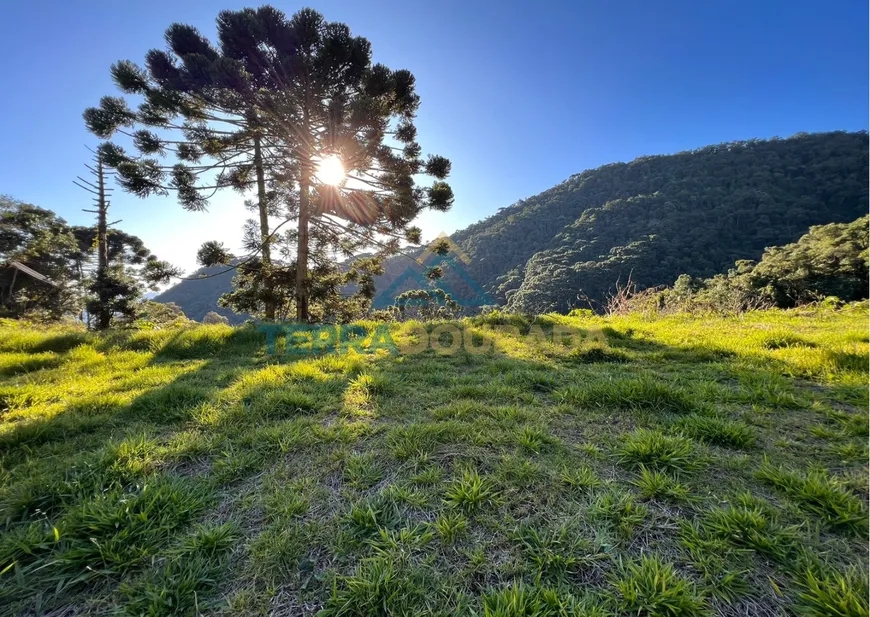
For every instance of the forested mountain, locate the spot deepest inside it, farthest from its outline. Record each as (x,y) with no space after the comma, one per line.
(657,217)
(198,297)
(654,218)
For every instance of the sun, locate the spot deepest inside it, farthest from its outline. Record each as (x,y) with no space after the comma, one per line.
(330,170)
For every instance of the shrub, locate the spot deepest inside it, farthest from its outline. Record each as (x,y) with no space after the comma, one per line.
(213,318)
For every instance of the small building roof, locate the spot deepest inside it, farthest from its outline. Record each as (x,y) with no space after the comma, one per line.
(29,271)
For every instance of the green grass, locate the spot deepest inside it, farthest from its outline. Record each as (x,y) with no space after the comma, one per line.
(685,466)
(835,595)
(718,431)
(654,449)
(650,587)
(821,493)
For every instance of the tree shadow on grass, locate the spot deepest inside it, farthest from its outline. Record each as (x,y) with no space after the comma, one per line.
(270,416)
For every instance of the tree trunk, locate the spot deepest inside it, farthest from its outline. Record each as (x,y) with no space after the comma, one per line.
(302,247)
(265,251)
(104,318)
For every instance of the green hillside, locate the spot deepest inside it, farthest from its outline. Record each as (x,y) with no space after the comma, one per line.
(658,217)
(198,297)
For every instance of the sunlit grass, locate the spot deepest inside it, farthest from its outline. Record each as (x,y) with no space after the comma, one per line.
(672,466)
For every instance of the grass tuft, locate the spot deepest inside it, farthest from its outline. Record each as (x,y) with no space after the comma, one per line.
(470,492)
(555,554)
(822,494)
(834,595)
(752,527)
(718,432)
(644,393)
(618,509)
(655,450)
(450,526)
(581,477)
(659,485)
(381,586)
(650,587)
(520,600)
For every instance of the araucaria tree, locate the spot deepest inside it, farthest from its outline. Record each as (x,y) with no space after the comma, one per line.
(123,264)
(295,112)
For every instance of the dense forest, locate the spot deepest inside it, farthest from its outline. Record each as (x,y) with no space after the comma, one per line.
(658,217)
(655,218)
(829,264)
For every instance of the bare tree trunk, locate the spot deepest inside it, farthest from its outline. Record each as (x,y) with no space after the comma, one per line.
(266,251)
(104,318)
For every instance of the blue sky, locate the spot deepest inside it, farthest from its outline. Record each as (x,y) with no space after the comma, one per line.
(518,95)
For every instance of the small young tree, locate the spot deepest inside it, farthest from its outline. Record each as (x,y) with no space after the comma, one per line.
(425,304)
(131,269)
(101,193)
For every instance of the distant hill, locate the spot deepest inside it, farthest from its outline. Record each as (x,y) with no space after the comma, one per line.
(198,297)
(654,218)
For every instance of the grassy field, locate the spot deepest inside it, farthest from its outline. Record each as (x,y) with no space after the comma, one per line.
(672,467)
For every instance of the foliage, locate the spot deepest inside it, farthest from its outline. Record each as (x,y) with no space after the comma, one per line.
(225,112)
(160,313)
(213,318)
(831,261)
(658,217)
(425,304)
(40,240)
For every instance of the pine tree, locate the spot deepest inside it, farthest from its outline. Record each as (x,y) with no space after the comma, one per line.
(114,284)
(196,132)
(100,192)
(295,110)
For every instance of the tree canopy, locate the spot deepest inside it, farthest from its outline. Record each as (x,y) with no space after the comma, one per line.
(264,111)
(829,261)
(66,255)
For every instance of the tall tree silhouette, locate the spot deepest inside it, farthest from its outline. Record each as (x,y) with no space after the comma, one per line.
(100,193)
(276,104)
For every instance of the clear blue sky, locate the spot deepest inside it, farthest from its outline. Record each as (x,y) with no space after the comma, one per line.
(519,95)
